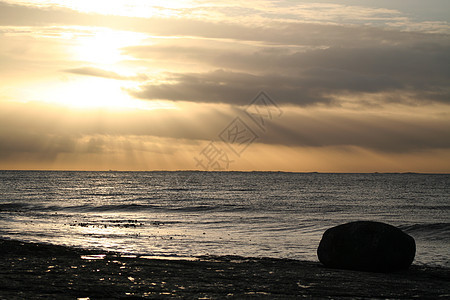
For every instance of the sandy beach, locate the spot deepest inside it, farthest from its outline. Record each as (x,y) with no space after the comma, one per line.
(31,271)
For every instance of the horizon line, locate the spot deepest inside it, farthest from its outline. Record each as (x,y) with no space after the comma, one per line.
(225,171)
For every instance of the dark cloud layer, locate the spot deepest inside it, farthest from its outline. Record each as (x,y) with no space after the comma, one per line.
(59,131)
(306,77)
(314,86)
(370,131)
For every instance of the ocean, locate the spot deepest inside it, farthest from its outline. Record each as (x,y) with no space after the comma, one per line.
(186,214)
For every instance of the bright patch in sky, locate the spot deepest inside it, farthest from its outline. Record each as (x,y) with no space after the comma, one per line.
(94,92)
(103,46)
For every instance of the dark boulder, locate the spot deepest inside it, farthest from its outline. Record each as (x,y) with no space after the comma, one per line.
(366,246)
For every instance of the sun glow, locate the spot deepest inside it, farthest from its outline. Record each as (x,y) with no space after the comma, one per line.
(89,93)
(94,92)
(104,46)
(102,50)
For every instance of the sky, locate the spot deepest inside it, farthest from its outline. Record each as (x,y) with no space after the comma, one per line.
(265,85)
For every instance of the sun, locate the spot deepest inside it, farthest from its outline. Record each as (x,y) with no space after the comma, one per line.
(98,48)
(101,49)
(104,46)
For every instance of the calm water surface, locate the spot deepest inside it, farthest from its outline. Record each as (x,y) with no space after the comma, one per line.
(184,214)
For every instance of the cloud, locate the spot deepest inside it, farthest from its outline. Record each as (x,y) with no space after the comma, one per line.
(312,86)
(299,63)
(424,17)
(388,133)
(279,31)
(97,72)
(303,76)
(57,130)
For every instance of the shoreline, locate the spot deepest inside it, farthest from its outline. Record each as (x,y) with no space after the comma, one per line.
(30,270)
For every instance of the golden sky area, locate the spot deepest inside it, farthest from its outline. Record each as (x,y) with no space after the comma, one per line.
(302,86)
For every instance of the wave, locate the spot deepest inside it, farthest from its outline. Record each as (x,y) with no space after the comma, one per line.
(425,227)
(24,207)
(432,231)
(141,207)
(425,207)
(13,206)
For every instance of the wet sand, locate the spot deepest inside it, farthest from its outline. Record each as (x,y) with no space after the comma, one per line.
(30,271)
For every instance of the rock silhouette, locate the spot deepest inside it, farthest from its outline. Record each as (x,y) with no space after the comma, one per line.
(366,246)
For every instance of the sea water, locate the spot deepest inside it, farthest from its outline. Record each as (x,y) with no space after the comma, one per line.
(252,214)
